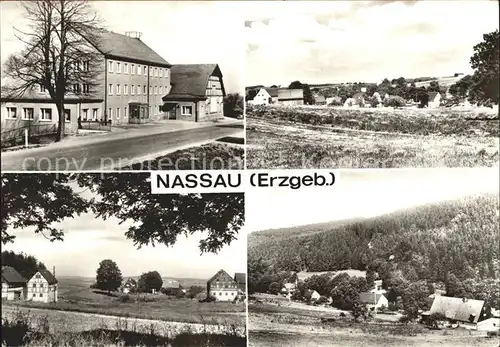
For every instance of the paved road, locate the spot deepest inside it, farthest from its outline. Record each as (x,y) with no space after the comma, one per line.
(109,150)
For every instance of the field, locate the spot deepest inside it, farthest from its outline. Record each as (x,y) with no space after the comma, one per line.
(325,137)
(75,295)
(271,325)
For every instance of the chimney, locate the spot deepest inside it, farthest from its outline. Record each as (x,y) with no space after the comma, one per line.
(54,271)
(134,34)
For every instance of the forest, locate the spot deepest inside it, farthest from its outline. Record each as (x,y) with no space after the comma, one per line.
(452,245)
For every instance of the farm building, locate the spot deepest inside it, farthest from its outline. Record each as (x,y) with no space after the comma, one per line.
(197,93)
(490,324)
(42,287)
(291,97)
(241,280)
(222,286)
(171,287)
(311,295)
(373,300)
(264,96)
(466,312)
(13,284)
(128,286)
(434,99)
(319,100)
(288,288)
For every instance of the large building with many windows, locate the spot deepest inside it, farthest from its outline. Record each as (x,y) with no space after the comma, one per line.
(134,85)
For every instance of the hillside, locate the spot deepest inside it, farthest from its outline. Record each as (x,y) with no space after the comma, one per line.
(429,242)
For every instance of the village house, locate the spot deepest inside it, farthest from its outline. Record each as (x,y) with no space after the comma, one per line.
(222,287)
(241,280)
(434,99)
(465,312)
(171,287)
(197,93)
(42,287)
(128,89)
(373,301)
(311,295)
(334,100)
(13,284)
(290,97)
(129,285)
(377,287)
(319,99)
(261,98)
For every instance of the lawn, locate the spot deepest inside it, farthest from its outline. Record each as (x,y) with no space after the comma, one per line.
(212,156)
(281,326)
(75,295)
(322,137)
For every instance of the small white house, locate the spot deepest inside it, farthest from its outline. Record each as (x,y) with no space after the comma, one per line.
(261,98)
(434,99)
(373,300)
(490,324)
(311,295)
(13,284)
(42,287)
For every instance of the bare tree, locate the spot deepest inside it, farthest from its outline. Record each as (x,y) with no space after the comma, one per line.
(59,54)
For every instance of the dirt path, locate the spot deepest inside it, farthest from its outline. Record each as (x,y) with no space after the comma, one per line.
(81,321)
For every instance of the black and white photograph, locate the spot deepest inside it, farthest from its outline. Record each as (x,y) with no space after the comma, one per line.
(395,257)
(372,84)
(121,85)
(97,260)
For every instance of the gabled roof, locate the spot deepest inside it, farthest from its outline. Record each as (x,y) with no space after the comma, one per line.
(49,277)
(309,293)
(432,95)
(240,277)
(114,45)
(189,81)
(10,275)
(221,271)
(464,310)
(273,92)
(369,298)
(290,94)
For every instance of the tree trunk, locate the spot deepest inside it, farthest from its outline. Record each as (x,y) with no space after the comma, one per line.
(61,121)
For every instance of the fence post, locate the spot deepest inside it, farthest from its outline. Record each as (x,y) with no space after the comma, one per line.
(25,137)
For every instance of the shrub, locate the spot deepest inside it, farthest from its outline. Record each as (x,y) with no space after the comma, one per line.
(322,300)
(124,298)
(15,331)
(394,101)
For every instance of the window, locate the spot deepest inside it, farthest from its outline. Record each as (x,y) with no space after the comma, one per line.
(34,294)
(132,69)
(187,110)
(41,295)
(110,66)
(161,72)
(145,70)
(132,90)
(117,89)
(150,90)
(37,275)
(41,285)
(161,89)
(110,112)
(45,114)
(156,90)
(156,72)
(94,113)
(220,293)
(86,65)
(67,115)
(139,71)
(34,285)
(110,89)
(125,112)
(76,88)
(144,90)
(28,113)
(125,89)
(118,67)
(138,90)
(86,88)
(85,113)
(118,113)
(125,68)
(42,88)
(11,112)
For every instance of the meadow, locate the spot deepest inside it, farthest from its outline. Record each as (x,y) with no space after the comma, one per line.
(326,137)
(75,295)
(271,325)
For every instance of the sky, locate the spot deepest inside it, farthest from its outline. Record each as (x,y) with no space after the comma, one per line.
(340,41)
(364,193)
(88,240)
(181,32)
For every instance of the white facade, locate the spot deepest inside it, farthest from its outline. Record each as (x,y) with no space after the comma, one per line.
(262,98)
(12,293)
(39,289)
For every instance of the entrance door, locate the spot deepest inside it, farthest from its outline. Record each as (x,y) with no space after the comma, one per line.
(213,104)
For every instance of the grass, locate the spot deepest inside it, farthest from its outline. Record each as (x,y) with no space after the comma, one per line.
(213,156)
(75,295)
(23,329)
(281,326)
(280,137)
